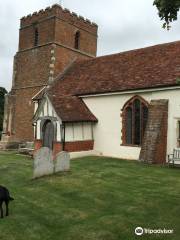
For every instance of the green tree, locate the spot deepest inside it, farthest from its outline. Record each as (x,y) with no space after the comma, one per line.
(2,93)
(167,10)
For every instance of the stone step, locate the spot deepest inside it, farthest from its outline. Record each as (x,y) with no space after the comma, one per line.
(4,145)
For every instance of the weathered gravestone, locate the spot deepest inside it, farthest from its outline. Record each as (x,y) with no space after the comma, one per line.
(43,162)
(45,165)
(62,162)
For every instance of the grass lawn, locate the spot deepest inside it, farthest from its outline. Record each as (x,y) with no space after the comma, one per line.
(100,199)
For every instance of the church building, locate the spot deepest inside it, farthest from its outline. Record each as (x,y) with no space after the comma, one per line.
(48,43)
(124,105)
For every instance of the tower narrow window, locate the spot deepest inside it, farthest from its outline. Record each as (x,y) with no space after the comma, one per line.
(77,40)
(36,37)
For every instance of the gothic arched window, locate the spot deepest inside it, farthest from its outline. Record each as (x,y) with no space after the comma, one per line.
(77,40)
(36,36)
(134,119)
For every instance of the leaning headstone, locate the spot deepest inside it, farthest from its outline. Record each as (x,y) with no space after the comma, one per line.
(62,162)
(43,162)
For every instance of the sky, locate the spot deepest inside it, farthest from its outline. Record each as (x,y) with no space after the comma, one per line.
(123,25)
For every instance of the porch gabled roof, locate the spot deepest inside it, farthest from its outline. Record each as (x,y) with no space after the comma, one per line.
(71,109)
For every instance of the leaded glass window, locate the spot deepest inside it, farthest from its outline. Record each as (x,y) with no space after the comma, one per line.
(137,122)
(129,125)
(135,119)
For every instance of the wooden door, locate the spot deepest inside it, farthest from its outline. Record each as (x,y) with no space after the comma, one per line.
(48,134)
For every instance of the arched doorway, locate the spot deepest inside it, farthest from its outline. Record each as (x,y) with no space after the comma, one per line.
(48,134)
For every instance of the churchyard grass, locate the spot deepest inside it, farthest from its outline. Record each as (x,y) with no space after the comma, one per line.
(99,199)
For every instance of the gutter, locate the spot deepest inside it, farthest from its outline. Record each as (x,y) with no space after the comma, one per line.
(140,90)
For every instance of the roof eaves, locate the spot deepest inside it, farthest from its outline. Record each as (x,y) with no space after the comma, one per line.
(77,121)
(125,90)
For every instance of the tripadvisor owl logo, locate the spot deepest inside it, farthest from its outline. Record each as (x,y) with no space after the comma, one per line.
(139,231)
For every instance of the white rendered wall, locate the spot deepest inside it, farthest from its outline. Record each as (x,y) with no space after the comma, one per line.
(35,106)
(46,113)
(47,109)
(107,132)
(58,132)
(78,132)
(38,129)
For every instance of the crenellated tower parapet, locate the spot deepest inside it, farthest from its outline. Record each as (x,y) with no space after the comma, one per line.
(62,13)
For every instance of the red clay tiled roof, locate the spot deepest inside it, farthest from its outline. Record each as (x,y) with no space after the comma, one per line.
(72,109)
(152,67)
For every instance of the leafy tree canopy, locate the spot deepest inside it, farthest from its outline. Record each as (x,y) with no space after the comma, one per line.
(168,10)
(2,93)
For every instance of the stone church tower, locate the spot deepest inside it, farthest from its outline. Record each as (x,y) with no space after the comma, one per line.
(49,40)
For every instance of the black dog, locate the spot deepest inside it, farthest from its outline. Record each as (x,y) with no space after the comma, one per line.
(4,197)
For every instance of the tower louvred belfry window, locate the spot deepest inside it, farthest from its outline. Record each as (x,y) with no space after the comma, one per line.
(77,40)
(36,37)
(134,120)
